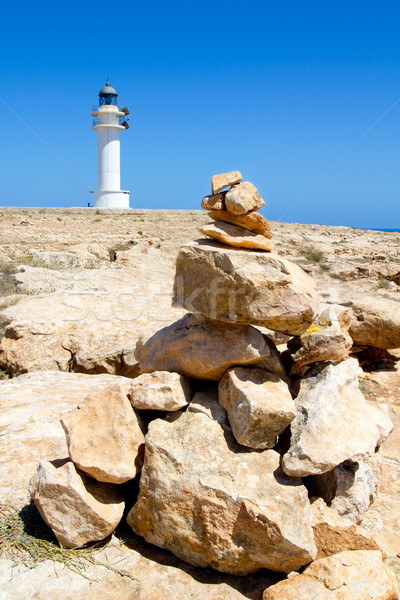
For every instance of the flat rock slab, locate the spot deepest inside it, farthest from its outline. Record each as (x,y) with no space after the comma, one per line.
(236,236)
(31,408)
(160,390)
(105,436)
(243,198)
(85,325)
(215,505)
(201,348)
(333,422)
(259,406)
(252,221)
(223,180)
(357,575)
(154,574)
(231,284)
(76,507)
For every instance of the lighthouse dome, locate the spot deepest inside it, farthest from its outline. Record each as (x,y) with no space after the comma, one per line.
(108,95)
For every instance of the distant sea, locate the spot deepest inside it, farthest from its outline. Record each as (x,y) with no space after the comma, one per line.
(374,229)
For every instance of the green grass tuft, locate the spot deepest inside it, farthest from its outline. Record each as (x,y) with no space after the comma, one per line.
(383,283)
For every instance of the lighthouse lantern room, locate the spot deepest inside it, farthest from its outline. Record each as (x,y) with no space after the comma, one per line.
(110,121)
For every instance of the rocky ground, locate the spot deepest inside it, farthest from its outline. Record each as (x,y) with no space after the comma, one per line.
(79,287)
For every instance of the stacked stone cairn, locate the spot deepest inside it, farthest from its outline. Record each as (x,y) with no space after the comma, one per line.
(237,222)
(255,458)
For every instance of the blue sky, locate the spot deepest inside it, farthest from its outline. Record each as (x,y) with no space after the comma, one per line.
(279,91)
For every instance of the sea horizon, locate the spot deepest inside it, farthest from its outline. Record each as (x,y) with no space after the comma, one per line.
(381,229)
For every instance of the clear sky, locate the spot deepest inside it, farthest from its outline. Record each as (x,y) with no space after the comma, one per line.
(277,90)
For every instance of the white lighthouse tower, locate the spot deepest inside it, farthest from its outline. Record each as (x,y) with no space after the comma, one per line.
(110,121)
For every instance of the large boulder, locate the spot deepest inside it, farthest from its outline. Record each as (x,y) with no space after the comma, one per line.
(105,437)
(201,348)
(333,422)
(352,575)
(214,504)
(259,406)
(160,390)
(231,284)
(31,408)
(77,508)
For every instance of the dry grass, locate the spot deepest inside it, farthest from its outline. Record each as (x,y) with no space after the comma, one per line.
(314,254)
(27,541)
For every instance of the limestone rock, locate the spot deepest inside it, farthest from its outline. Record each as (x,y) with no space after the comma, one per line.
(85,326)
(104,437)
(383,516)
(333,422)
(259,406)
(251,221)
(375,322)
(201,348)
(318,346)
(349,488)
(215,505)
(160,390)
(236,236)
(223,180)
(31,408)
(214,202)
(206,402)
(77,508)
(357,575)
(334,534)
(235,285)
(243,198)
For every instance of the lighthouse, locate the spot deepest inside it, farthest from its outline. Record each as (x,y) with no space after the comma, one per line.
(110,122)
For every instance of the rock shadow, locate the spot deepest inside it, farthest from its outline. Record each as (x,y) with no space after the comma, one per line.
(251,586)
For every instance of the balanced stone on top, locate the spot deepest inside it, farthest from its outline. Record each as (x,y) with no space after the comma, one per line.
(223,180)
(243,198)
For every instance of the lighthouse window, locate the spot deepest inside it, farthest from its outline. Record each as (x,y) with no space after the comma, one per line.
(108,99)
